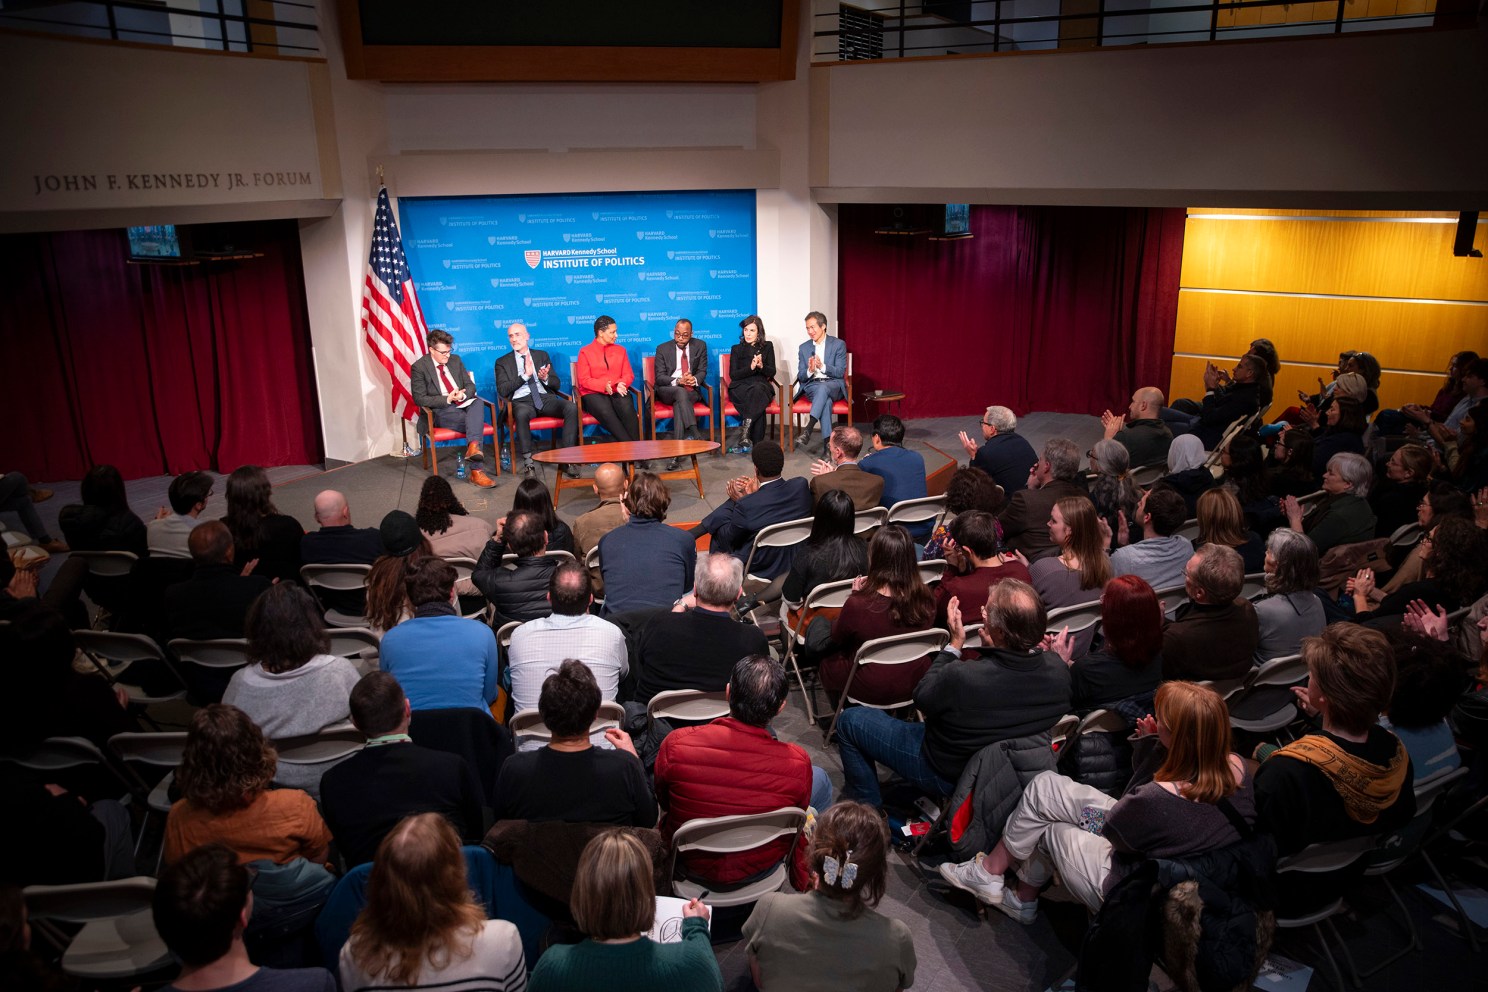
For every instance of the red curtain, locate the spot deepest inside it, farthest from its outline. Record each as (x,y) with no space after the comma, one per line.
(157,369)
(1045,308)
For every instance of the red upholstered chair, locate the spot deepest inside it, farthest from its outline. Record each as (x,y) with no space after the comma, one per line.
(587,420)
(538,423)
(661,411)
(840,408)
(437,434)
(727,409)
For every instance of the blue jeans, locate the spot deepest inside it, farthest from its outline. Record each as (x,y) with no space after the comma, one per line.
(821,789)
(821,393)
(866,736)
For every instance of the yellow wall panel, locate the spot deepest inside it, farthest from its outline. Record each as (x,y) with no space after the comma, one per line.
(1279,212)
(1353,258)
(1410,336)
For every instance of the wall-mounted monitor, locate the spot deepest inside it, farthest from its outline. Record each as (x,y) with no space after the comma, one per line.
(957,219)
(155,242)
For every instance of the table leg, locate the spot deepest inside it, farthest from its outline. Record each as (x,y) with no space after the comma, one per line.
(697,477)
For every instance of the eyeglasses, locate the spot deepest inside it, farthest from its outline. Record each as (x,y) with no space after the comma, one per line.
(442,351)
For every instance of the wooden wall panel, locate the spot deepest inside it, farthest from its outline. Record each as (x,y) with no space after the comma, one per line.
(1396,388)
(1413,336)
(1351,258)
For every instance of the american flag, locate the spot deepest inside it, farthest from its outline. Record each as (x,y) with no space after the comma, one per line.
(390,311)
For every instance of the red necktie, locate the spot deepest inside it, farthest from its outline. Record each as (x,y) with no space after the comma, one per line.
(449,387)
(684,361)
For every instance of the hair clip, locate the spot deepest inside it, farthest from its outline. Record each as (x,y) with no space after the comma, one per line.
(832,869)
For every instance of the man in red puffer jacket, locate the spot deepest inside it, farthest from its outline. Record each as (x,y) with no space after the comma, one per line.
(733,765)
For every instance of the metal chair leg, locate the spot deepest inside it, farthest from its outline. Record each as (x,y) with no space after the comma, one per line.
(1348,956)
(1468,927)
(1414,943)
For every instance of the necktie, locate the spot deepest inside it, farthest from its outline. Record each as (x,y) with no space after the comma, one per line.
(532,388)
(683,367)
(449,387)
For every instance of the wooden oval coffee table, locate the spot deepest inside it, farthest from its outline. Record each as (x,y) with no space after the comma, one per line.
(626,453)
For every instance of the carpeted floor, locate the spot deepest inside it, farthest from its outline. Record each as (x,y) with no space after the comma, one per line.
(958,948)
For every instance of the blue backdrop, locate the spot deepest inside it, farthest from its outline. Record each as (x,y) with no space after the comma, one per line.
(555,263)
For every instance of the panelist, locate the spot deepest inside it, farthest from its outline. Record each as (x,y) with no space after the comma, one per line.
(681,374)
(526,380)
(821,368)
(751,381)
(605,378)
(440,382)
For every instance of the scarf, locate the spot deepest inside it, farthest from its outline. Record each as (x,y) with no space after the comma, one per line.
(440,609)
(1365,788)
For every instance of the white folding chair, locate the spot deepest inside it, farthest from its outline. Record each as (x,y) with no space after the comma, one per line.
(932,570)
(464,568)
(325,745)
(1190,530)
(866,520)
(113,653)
(734,835)
(117,939)
(1322,859)
(1078,618)
(1266,705)
(529,723)
(1254,585)
(65,754)
(917,511)
(337,578)
(786,534)
(357,644)
(158,750)
(1146,475)
(1171,598)
(214,659)
(591,562)
(689,705)
(896,649)
(828,595)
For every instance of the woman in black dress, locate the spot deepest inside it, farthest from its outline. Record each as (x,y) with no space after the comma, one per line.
(752,381)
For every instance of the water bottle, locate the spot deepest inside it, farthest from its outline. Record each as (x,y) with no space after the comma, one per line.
(459,466)
(505,459)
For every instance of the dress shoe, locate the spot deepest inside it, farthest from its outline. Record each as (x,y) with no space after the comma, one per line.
(691,435)
(480,478)
(804,438)
(528,469)
(572,471)
(674,465)
(54,547)
(473,452)
(40,495)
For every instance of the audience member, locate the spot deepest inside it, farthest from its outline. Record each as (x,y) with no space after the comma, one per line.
(1112,490)
(609,486)
(387,593)
(1429,681)
(1187,476)
(450,529)
(1185,799)
(422,927)
(1395,497)
(1025,519)
(214,602)
(1244,463)
(1443,406)
(614,904)
(1214,635)
(841,470)
(821,368)
(736,765)
(1141,429)
(890,599)
(1289,611)
(752,387)
(1343,515)
(1441,501)
(902,470)
(968,489)
(517,589)
(569,779)
(1128,661)
(22,968)
(188,495)
(1342,431)
(409,779)
(440,658)
(1224,403)
(831,552)
(754,503)
(570,631)
(262,536)
(1452,576)
(60,835)
(103,521)
(224,779)
(1222,521)
(1005,455)
(201,907)
(974,536)
(1077,575)
(337,542)
(832,937)
(1290,473)
(19,496)
(293,686)
(1013,689)
(533,494)
(695,645)
(1467,464)
(1162,552)
(646,564)
(604,379)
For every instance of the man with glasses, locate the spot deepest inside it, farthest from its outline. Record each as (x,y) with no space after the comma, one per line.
(167,533)
(440,382)
(1004,454)
(681,376)
(525,379)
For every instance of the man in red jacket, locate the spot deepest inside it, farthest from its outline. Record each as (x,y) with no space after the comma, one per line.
(733,765)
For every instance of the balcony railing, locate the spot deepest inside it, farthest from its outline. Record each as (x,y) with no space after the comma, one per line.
(286,28)
(895,29)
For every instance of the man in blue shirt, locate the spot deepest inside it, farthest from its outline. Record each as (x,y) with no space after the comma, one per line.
(902,470)
(821,372)
(440,658)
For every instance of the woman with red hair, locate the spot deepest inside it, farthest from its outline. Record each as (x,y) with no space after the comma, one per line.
(1128,662)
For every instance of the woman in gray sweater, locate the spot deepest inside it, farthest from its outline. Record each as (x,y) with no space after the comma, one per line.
(1290,610)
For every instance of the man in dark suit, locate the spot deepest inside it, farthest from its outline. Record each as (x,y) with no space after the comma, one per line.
(865,488)
(440,381)
(902,470)
(409,779)
(1025,520)
(337,542)
(1004,454)
(821,373)
(755,503)
(214,602)
(525,379)
(681,376)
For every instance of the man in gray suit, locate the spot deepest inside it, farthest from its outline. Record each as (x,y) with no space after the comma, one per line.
(441,382)
(681,374)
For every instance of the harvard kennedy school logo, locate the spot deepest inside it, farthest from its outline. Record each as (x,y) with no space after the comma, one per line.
(533,256)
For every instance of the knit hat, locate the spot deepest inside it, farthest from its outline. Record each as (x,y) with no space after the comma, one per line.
(400,534)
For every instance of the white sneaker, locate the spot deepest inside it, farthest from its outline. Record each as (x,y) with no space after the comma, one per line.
(970,876)
(1024,912)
